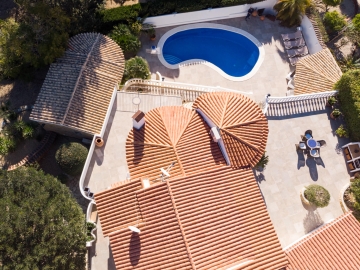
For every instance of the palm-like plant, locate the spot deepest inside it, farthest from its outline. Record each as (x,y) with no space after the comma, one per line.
(290,12)
(136,67)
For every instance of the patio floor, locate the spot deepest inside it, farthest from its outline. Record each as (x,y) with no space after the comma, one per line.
(287,173)
(270,78)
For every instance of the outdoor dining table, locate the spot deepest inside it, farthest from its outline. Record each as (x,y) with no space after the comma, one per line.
(311,143)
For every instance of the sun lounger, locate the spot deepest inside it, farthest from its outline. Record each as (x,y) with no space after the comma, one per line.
(291,36)
(294,44)
(297,52)
(294,60)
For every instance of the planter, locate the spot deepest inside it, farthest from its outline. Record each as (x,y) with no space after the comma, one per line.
(333,117)
(153,38)
(302,196)
(89,243)
(262,17)
(99,142)
(255,13)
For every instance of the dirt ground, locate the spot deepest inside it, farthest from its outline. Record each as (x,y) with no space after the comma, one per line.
(117,3)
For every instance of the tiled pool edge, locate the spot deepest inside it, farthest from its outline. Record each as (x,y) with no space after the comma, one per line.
(200,61)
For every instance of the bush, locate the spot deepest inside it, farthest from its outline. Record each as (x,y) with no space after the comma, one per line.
(262,162)
(317,195)
(122,35)
(71,157)
(7,144)
(334,21)
(349,97)
(355,190)
(124,13)
(341,132)
(136,67)
(89,227)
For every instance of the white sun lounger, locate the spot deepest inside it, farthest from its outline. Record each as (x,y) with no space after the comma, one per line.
(298,52)
(291,36)
(294,44)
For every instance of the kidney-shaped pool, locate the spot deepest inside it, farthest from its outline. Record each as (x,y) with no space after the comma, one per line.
(234,53)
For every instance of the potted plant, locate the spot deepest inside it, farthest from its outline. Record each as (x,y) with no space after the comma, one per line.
(331,101)
(317,195)
(151,32)
(262,162)
(335,114)
(90,236)
(341,132)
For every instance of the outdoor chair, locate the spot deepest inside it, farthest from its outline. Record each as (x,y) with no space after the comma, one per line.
(290,75)
(291,36)
(320,143)
(292,44)
(314,153)
(302,145)
(308,132)
(298,52)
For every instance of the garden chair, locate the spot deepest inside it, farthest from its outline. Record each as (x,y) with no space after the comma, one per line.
(302,145)
(294,44)
(320,143)
(291,36)
(298,52)
(308,132)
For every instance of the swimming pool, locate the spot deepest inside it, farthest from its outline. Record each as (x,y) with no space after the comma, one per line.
(232,52)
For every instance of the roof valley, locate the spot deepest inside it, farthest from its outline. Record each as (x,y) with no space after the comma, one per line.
(78,79)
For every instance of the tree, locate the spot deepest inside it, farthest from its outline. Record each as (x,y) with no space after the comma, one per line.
(136,67)
(290,12)
(332,3)
(334,21)
(353,30)
(122,35)
(41,225)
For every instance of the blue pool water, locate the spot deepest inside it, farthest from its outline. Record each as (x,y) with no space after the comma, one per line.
(233,53)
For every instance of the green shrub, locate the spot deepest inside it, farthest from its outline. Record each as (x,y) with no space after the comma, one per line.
(136,67)
(7,144)
(262,162)
(349,97)
(317,195)
(334,21)
(71,157)
(122,35)
(89,227)
(123,13)
(355,190)
(341,132)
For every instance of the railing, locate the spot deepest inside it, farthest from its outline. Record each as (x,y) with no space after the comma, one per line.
(188,92)
(277,100)
(108,113)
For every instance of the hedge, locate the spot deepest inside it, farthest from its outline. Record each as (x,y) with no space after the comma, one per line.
(124,13)
(71,157)
(349,96)
(161,7)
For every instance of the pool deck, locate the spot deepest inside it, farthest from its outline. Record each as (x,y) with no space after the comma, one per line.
(270,78)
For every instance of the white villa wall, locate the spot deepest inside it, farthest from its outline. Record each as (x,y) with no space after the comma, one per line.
(209,14)
(310,36)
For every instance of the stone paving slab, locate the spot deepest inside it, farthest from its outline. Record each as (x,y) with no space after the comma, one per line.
(287,173)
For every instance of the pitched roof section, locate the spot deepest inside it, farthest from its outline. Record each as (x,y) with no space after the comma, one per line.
(335,246)
(171,134)
(243,126)
(78,88)
(316,73)
(211,220)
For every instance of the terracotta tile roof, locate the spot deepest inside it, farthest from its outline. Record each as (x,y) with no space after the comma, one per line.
(334,246)
(171,134)
(210,220)
(78,88)
(242,125)
(316,73)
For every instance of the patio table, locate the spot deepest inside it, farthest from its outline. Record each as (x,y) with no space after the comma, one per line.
(311,143)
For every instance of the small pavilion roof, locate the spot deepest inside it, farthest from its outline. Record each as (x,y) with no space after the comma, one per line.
(242,125)
(316,73)
(78,88)
(335,245)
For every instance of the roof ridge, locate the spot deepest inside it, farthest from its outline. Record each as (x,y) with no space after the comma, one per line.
(182,133)
(244,123)
(317,231)
(180,225)
(78,79)
(225,107)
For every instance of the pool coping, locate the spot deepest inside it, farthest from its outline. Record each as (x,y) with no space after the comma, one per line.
(201,61)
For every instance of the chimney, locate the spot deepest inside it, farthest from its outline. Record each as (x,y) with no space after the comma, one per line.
(145,183)
(138,119)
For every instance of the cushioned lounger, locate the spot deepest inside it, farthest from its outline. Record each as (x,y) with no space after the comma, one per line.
(291,36)
(297,52)
(294,44)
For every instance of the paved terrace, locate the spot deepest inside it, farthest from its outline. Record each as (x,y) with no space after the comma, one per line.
(287,173)
(270,78)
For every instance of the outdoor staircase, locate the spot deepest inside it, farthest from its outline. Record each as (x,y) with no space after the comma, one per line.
(294,105)
(171,59)
(38,153)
